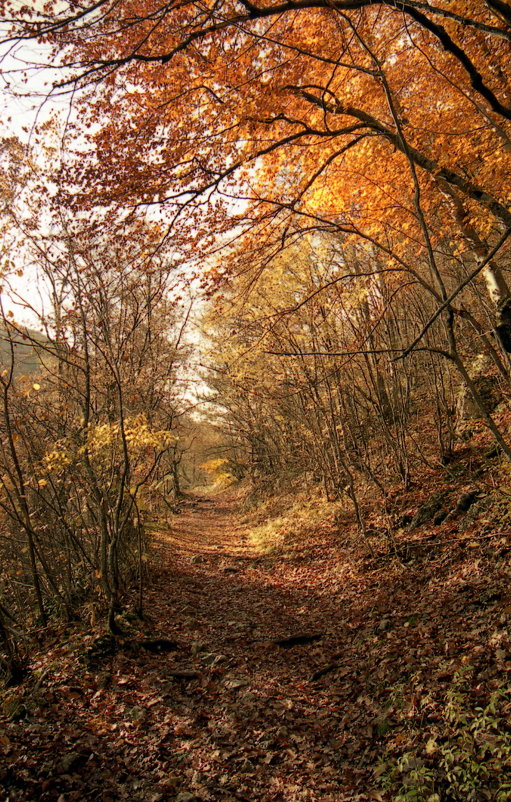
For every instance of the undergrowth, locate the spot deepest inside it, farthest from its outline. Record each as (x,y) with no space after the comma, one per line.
(274,528)
(464,756)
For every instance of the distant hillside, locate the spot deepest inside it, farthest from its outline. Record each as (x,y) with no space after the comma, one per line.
(28,357)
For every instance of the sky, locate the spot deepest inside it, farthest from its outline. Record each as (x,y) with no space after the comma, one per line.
(26,103)
(26,82)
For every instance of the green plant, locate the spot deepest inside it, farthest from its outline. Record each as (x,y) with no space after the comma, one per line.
(466,758)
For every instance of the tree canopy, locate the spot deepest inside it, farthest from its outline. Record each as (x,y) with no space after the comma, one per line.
(387,120)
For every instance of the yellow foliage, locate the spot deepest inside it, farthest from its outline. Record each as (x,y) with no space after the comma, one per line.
(104,445)
(105,437)
(57,460)
(222,478)
(212,465)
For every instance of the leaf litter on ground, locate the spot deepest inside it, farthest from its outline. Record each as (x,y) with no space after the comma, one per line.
(228,712)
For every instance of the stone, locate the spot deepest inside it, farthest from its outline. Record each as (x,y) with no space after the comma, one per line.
(428,511)
(481,371)
(137,713)
(214,659)
(234,684)
(69,762)
(466,500)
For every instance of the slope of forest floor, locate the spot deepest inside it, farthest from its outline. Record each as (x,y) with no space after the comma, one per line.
(317,669)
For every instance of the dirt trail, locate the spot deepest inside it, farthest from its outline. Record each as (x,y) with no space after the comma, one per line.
(230,592)
(264,729)
(229,714)
(208,525)
(309,722)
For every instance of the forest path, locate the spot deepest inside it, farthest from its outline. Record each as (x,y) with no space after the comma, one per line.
(235,593)
(223,712)
(208,526)
(260,727)
(308,721)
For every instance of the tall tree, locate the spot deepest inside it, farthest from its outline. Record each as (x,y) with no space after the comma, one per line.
(388,121)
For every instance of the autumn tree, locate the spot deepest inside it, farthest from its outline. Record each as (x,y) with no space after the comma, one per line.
(246,127)
(387,123)
(86,426)
(304,376)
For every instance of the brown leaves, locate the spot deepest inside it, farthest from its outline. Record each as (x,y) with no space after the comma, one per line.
(252,725)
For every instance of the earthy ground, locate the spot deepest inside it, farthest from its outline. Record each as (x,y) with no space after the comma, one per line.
(231,714)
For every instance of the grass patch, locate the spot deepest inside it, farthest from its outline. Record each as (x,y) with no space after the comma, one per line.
(280,522)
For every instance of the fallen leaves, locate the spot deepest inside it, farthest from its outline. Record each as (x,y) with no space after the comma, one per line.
(225,714)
